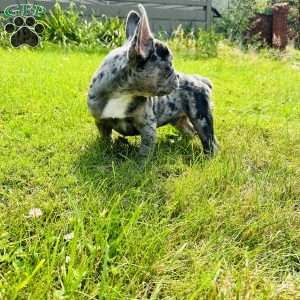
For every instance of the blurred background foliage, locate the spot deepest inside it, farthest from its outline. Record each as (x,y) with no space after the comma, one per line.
(67,28)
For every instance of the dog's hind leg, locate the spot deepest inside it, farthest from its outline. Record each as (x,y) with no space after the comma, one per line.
(204,128)
(201,117)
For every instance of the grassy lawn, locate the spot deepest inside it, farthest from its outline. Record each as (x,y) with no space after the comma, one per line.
(175,227)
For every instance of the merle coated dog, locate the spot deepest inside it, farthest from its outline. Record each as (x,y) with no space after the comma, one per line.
(136,90)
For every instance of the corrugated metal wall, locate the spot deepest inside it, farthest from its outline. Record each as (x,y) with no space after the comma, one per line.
(164,14)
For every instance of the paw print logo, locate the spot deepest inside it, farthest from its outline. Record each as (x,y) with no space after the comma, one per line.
(24,31)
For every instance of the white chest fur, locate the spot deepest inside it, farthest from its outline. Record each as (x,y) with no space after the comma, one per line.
(117,107)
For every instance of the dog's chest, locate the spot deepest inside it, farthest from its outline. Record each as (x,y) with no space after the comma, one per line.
(117,107)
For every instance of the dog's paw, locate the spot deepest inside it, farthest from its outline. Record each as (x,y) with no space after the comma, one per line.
(212,150)
(24,31)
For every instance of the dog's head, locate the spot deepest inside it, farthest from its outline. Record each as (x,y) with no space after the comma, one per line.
(150,61)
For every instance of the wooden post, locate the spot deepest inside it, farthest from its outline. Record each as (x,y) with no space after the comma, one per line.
(280,25)
(208,14)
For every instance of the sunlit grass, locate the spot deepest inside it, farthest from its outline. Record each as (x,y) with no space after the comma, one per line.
(175,227)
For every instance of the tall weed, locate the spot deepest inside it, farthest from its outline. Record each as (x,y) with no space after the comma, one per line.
(195,42)
(67,27)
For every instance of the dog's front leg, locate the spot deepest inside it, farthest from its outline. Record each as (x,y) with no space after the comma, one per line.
(146,125)
(148,134)
(105,130)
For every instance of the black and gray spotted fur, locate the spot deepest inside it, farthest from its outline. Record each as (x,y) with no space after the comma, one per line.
(137,90)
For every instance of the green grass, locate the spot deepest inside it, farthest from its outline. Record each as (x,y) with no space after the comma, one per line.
(175,227)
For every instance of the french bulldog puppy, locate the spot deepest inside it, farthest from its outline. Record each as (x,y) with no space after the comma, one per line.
(136,90)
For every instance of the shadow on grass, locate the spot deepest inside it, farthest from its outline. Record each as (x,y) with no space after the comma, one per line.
(121,161)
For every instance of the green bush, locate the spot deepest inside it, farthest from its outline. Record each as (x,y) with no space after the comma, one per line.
(67,27)
(4,39)
(236,22)
(294,21)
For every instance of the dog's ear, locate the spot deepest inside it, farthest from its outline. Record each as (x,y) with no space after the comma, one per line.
(132,22)
(143,40)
